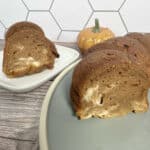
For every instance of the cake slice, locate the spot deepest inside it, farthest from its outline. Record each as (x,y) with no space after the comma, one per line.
(107,84)
(27,52)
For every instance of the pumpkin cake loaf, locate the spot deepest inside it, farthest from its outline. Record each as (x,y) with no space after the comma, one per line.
(107,83)
(134,49)
(27,50)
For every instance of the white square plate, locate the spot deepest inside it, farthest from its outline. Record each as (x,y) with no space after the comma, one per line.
(27,83)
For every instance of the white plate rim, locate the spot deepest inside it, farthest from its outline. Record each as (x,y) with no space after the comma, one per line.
(43,116)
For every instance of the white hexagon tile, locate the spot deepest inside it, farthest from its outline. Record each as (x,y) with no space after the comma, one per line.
(106,4)
(63,19)
(12,11)
(71,14)
(68,36)
(109,19)
(38,4)
(47,22)
(136,14)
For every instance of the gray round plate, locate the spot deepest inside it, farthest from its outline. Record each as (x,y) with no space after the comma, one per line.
(61,130)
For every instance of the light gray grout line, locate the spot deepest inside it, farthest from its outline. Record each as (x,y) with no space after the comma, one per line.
(3,24)
(123,22)
(122,5)
(88,19)
(100,10)
(59,35)
(27,15)
(39,10)
(72,30)
(55,20)
(105,10)
(51,4)
(25,5)
(90,5)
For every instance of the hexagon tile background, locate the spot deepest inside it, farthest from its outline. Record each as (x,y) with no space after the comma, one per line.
(62,20)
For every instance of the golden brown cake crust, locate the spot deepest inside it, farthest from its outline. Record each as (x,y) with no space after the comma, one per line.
(144,39)
(134,49)
(52,47)
(23,26)
(111,71)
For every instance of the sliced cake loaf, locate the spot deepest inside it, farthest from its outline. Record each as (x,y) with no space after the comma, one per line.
(27,51)
(134,49)
(107,84)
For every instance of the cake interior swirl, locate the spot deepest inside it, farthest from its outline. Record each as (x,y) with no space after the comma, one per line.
(111,80)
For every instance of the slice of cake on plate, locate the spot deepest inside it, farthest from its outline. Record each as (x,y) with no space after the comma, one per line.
(27,50)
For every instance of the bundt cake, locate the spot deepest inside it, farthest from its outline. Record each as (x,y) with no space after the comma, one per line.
(108,83)
(27,50)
